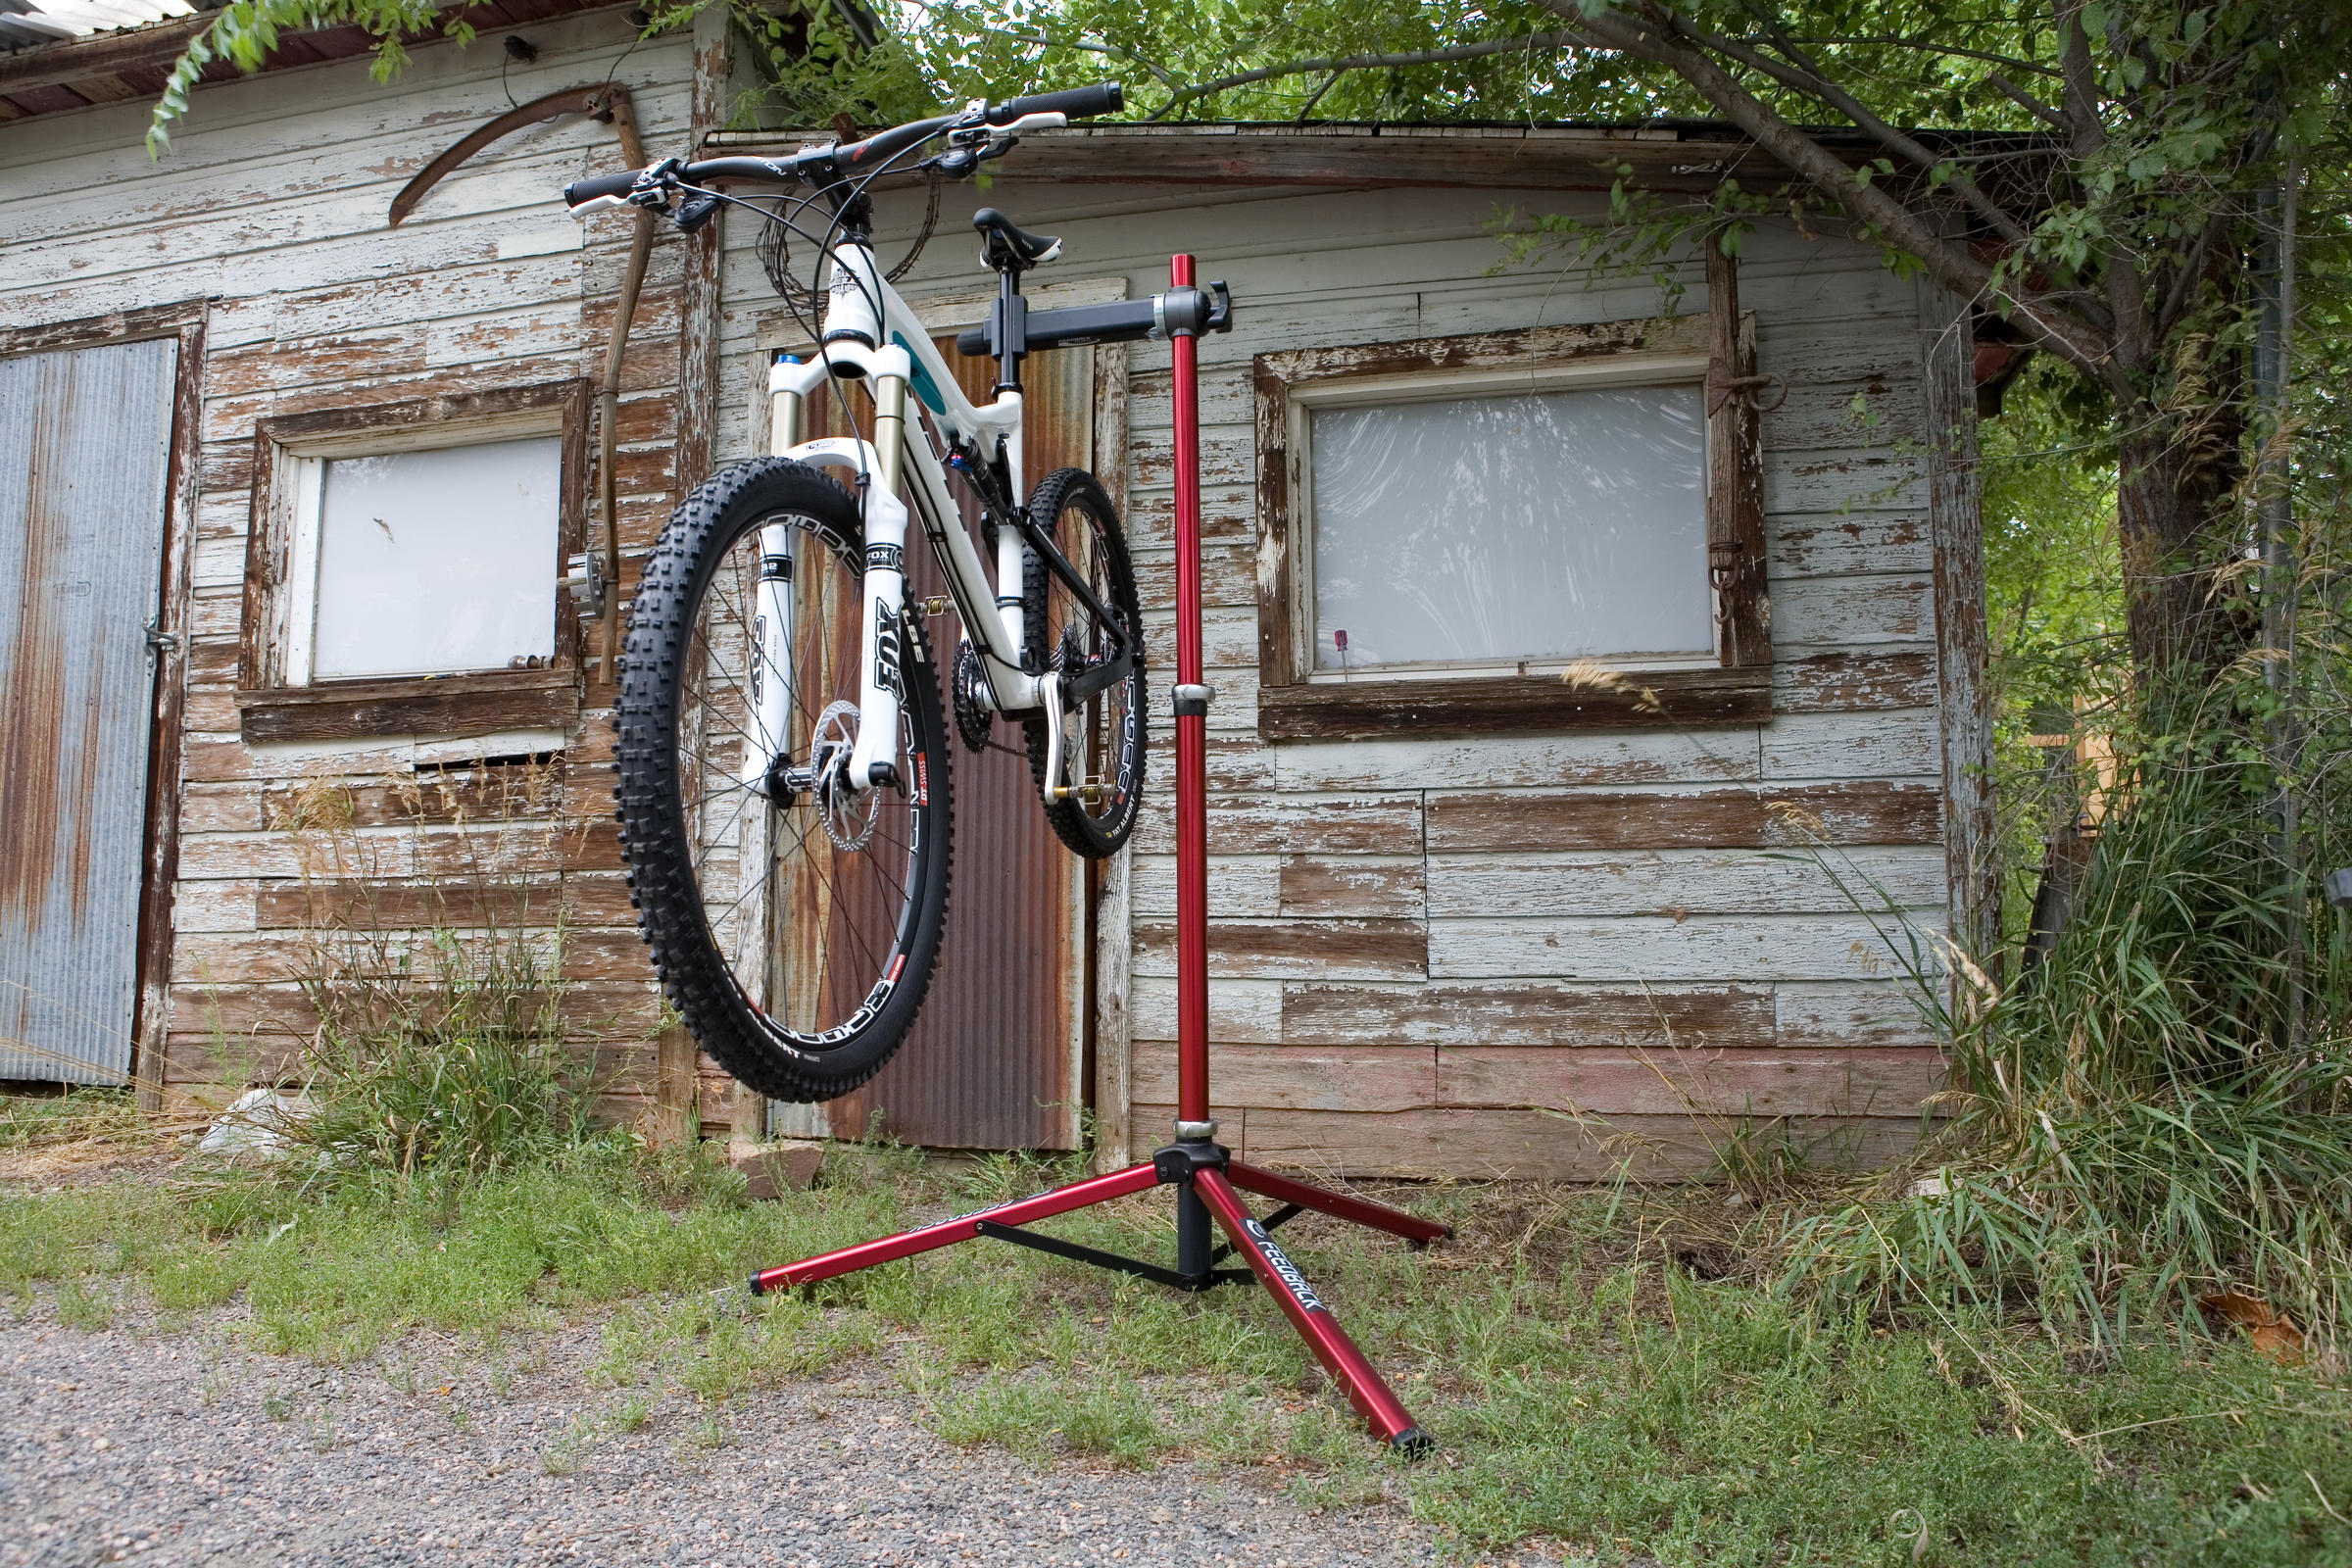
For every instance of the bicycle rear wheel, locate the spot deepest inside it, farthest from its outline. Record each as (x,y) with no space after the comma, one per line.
(1103,739)
(794,922)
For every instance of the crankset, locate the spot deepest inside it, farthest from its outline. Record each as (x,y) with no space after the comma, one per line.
(974,717)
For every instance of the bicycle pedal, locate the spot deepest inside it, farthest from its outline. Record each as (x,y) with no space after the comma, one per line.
(1089,793)
(936,605)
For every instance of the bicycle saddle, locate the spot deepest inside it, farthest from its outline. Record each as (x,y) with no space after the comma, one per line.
(1002,245)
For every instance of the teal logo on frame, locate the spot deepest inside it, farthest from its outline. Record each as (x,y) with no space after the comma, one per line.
(924,387)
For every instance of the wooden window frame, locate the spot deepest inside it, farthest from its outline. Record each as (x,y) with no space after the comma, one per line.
(478,702)
(1717,348)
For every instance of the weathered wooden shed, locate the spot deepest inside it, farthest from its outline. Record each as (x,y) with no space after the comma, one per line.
(1659,694)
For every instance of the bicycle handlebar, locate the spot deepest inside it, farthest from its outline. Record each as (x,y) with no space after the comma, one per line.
(1075,103)
(596,186)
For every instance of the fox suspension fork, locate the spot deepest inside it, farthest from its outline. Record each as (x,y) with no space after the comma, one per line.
(874,469)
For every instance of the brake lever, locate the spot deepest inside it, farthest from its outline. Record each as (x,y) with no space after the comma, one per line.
(655,184)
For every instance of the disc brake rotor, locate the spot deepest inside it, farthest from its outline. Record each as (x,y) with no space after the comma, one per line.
(849,818)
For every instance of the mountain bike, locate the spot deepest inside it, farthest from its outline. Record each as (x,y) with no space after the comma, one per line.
(784,778)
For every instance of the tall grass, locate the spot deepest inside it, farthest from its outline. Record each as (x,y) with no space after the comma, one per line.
(448,1054)
(445,1049)
(2158,1117)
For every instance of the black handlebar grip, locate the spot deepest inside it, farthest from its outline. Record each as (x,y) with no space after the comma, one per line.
(595,185)
(1103,98)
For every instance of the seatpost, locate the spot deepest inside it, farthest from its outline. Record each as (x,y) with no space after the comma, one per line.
(1013,336)
(1193,1123)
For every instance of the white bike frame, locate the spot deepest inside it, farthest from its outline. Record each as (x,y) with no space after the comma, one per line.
(902,355)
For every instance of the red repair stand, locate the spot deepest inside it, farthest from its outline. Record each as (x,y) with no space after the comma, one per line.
(1204,1174)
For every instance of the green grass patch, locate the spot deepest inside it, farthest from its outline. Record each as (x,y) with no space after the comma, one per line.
(1587,1390)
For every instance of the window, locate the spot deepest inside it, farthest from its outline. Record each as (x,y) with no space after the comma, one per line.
(431,563)
(1447,526)
(402,574)
(1508,531)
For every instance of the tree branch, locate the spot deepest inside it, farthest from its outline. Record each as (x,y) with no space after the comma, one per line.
(2127,288)
(1419,56)
(1940,47)
(2067,336)
(1316,96)
(1807,77)
(2027,102)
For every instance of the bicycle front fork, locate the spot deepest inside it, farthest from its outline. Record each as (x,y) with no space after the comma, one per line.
(873,469)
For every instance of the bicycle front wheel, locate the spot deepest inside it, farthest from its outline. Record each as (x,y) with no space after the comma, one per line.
(794,921)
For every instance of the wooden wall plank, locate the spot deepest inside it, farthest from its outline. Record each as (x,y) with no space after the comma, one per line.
(1359,949)
(1239,1009)
(1352,887)
(1641,756)
(1883,1012)
(1683,882)
(1709,1083)
(1374,1078)
(1534,1144)
(1547,1012)
(1294,824)
(1632,949)
(1786,816)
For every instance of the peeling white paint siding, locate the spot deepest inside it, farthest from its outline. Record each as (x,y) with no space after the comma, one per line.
(271,202)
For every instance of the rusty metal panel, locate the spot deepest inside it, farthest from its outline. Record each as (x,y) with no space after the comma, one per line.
(85,440)
(993,1061)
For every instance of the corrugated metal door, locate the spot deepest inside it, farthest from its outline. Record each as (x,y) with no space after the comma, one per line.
(993,1061)
(85,439)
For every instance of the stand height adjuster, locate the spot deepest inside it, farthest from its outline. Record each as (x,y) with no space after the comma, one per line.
(1180,1162)
(1192,701)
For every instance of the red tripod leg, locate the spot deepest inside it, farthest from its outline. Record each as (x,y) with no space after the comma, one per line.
(962,1228)
(1354,1210)
(1311,1317)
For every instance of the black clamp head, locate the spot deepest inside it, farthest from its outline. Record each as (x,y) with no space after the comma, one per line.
(1191,312)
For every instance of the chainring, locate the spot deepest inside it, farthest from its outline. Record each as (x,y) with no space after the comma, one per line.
(974,714)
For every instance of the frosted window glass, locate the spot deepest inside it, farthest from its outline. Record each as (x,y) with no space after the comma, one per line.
(432,563)
(1493,529)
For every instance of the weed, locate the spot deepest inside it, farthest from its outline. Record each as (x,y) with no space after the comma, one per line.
(81,1305)
(277,1406)
(564,1456)
(712,1433)
(456,1059)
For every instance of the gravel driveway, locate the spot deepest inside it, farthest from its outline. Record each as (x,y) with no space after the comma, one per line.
(132,1444)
